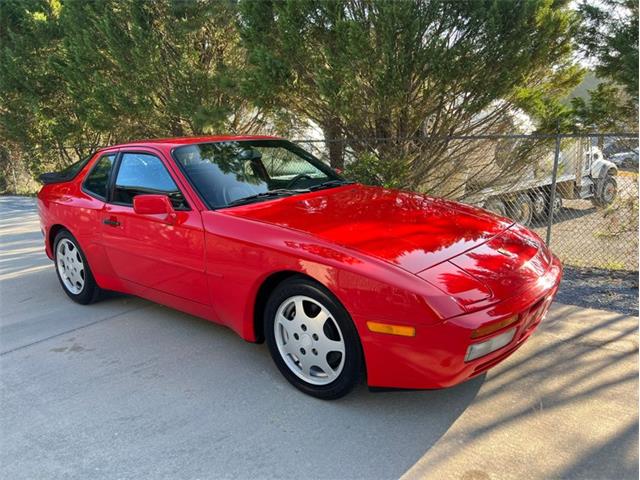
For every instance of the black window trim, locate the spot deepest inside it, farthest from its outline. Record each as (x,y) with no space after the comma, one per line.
(93,167)
(116,169)
(303,153)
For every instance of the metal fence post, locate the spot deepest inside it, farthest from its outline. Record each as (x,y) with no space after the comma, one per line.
(552,195)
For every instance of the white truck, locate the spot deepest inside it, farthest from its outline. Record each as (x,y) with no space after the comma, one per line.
(582,173)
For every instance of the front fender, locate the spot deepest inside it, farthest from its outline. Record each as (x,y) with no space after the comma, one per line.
(241,254)
(602,168)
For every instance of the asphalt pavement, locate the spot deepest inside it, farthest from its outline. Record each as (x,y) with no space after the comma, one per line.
(129,389)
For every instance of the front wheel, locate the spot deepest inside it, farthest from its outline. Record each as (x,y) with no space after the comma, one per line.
(73,270)
(606,192)
(312,339)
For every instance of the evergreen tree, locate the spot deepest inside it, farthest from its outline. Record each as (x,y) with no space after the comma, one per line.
(380,69)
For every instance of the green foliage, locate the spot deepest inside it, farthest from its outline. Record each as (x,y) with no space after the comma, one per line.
(32,107)
(608,110)
(609,34)
(159,68)
(93,73)
(370,169)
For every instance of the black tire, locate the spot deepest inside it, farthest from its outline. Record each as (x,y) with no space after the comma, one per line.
(353,365)
(539,203)
(521,209)
(606,191)
(90,291)
(557,206)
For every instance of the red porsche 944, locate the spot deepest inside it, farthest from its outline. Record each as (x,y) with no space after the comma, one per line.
(340,279)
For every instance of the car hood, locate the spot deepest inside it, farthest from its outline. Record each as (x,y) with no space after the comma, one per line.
(410,230)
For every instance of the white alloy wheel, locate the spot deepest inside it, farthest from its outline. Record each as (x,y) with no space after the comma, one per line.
(70,266)
(309,340)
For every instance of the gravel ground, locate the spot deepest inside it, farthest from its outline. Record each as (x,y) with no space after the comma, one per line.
(598,288)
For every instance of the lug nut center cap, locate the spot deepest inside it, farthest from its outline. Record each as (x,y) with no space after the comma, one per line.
(305,341)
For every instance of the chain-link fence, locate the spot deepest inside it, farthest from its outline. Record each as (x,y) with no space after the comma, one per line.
(579,192)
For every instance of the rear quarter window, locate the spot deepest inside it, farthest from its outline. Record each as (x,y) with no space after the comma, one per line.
(97,181)
(66,174)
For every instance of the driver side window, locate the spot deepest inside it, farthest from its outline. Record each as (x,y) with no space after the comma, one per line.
(143,173)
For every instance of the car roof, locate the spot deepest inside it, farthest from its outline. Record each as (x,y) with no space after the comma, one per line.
(178,141)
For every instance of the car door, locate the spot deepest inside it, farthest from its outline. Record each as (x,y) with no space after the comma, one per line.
(149,250)
(87,217)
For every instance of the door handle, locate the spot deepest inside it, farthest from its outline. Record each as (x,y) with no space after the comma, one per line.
(111,222)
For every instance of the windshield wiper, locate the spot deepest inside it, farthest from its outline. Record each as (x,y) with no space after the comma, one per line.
(280,192)
(331,184)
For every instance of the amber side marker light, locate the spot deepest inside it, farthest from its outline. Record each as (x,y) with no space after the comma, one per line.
(493,327)
(391,329)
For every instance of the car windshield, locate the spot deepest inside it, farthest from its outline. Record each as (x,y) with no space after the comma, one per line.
(239,172)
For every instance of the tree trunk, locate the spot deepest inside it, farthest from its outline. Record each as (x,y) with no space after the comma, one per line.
(15,178)
(176,127)
(335,143)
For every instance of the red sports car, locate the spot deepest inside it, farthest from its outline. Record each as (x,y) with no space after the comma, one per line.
(341,280)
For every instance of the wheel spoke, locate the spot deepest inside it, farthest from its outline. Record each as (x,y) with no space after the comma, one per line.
(283,328)
(305,365)
(326,345)
(300,316)
(319,320)
(289,347)
(284,321)
(323,365)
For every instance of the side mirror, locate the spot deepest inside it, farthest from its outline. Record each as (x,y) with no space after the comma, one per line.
(154,205)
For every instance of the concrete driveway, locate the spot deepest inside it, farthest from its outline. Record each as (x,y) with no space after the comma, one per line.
(129,389)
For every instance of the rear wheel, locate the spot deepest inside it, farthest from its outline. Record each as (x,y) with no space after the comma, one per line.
(539,204)
(521,209)
(73,270)
(312,339)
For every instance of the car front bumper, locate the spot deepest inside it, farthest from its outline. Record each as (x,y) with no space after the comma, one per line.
(435,356)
